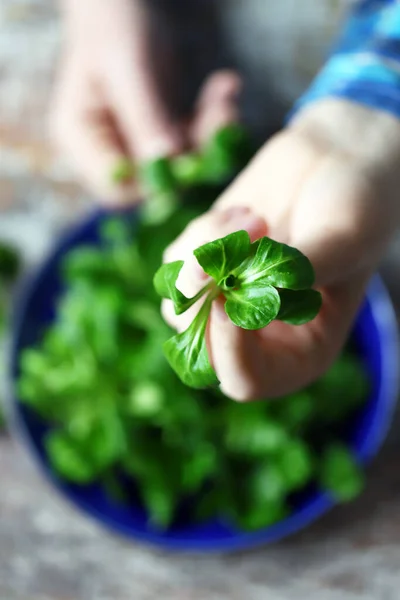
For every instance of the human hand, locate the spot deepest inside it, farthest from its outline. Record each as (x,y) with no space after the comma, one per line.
(107,107)
(326,185)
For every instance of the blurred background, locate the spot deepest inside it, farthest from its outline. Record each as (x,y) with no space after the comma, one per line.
(47,550)
(37,193)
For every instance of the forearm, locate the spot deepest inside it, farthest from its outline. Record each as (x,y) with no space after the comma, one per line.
(364,66)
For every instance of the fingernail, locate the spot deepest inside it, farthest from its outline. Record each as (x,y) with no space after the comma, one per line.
(255,227)
(234,213)
(243,218)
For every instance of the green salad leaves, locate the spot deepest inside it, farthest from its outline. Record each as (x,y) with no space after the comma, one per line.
(260,281)
(116,416)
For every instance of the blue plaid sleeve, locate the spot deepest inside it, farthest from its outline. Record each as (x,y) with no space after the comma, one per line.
(364,66)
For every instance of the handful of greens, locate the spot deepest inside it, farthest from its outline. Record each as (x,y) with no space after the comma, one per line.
(260,281)
(116,414)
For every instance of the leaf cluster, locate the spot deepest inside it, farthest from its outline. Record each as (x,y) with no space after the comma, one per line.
(116,414)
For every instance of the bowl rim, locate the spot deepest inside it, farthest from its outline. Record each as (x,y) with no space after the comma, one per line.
(384,316)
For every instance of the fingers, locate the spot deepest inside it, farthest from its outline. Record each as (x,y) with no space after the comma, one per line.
(83,129)
(148,128)
(236,356)
(232,350)
(316,205)
(192,278)
(217,105)
(124,59)
(319,202)
(281,359)
(208,227)
(293,356)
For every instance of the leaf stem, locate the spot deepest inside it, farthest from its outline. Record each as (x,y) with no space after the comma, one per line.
(209,287)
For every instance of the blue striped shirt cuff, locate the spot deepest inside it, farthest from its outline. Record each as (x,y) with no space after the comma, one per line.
(365,66)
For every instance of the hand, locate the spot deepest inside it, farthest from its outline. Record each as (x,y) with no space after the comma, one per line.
(107,106)
(327,185)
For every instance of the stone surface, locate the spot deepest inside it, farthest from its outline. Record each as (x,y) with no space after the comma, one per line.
(47,550)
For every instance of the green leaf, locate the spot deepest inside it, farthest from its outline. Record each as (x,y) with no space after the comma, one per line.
(299,306)
(100,381)
(68,459)
(158,208)
(115,231)
(10,263)
(159,186)
(252,306)
(147,399)
(144,314)
(340,390)
(123,171)
(85,263)
(208,505)
(157,177)
(295,463)
(297,410)
(188,169)
(161,501)
(165,284)
(266,484)
(277,264)
(200,467)
(157,469)
(254,434)
(107,441)
(346,380)
(262,515)
(224,153)
(187,352)
(220,257)
(340,474)
(234,139)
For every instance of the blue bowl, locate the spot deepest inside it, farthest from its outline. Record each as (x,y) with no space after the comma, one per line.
(375,337)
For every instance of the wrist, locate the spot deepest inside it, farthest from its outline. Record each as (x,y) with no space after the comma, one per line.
(369,137)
